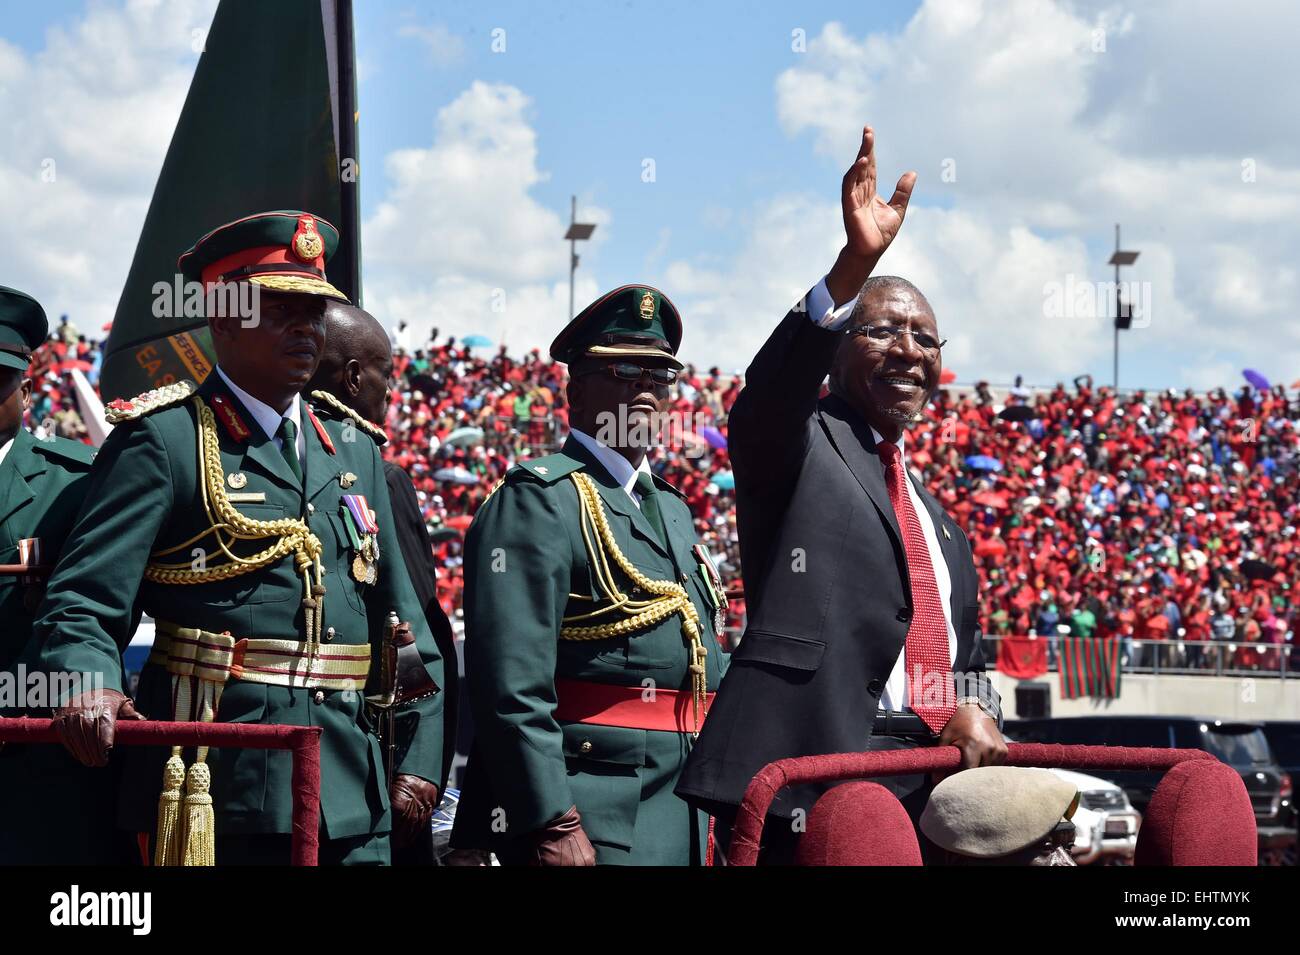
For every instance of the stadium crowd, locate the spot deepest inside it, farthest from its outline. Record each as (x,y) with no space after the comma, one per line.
(1165,519)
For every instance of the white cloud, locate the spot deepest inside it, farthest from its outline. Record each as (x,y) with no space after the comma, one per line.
(1052,140)
(459,241)
(443,47)
(990,305)
(84,125)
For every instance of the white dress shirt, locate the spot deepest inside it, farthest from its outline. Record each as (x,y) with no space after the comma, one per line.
(619,467)
(267,418)
(824,312)
(4,449)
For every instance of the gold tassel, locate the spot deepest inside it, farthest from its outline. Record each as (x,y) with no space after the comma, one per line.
(167,847)
(200,819)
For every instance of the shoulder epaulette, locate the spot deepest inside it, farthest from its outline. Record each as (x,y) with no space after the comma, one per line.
(128,409)
(548,469)
(66,449)
(339,408)
(663,483)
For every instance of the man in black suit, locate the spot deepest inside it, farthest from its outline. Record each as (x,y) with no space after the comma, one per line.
(863,627)
(353,380)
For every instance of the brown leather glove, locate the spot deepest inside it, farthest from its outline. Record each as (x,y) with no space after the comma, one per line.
(86,724)
(563,843)
(414,800)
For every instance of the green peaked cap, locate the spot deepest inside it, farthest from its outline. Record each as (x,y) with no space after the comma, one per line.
(23,328)
(282,251)
(632,321)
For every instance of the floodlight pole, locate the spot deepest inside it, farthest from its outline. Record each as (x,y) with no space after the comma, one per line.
(1115,370)
(573,250)
(577,231)
(1121,257)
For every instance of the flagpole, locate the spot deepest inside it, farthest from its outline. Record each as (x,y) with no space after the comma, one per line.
(347,274)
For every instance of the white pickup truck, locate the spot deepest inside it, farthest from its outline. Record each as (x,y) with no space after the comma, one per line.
(1105,824)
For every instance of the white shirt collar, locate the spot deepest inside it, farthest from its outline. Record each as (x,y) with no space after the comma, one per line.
(267,418)
(4,449)
(902,450)
(619,467)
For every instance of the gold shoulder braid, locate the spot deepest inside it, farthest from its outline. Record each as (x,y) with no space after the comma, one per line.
(369,427)
(227,525)
(495,487)
(669,596)
(128,409)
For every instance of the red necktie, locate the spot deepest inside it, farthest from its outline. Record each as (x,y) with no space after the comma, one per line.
(930,689)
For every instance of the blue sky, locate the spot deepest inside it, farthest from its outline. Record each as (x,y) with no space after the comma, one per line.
(689,84)
(1034,125)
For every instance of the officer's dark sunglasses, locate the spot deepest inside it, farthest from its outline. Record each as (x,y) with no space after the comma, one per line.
(630,371)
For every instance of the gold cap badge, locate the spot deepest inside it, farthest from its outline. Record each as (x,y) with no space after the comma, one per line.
(647,307)
(307,243)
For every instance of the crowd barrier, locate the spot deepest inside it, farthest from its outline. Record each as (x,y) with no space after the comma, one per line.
(302,742)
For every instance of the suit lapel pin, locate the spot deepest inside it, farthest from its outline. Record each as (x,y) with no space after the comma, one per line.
(347,479)
(946,534)
(237,480)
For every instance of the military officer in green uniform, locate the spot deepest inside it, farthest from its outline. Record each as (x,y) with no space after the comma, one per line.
(591,616)
(52,810)
(260,541)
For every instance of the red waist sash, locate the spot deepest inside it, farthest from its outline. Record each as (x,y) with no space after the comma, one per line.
(633,707)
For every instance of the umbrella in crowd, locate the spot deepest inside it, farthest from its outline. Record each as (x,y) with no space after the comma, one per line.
(476,341)
(994,499)
(947,376)
(725,480)
(441,534)
(1017,413)
(456,475)
(464,436)
(1257,569)
(982,462)
(715,437)
(1256,379)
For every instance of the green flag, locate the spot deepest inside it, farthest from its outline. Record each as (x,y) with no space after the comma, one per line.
(269,123)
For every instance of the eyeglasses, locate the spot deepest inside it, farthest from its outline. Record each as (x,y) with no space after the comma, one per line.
(628,371)
(884,336)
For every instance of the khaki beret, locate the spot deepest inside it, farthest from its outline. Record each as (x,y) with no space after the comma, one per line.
(996,810)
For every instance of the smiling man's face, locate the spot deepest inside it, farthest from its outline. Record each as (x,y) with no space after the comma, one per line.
(888,383)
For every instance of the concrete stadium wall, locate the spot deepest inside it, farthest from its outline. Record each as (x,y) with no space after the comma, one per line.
(1221,697)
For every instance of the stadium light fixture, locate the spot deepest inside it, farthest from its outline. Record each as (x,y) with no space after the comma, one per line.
(578,232)
(1123,313)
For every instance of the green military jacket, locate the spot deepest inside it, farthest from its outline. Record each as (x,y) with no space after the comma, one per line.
(42,486)
(145,496)
(52,809)
(527,567)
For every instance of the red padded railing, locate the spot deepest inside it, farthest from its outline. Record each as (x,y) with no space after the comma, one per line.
(774,777)
(302,742)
